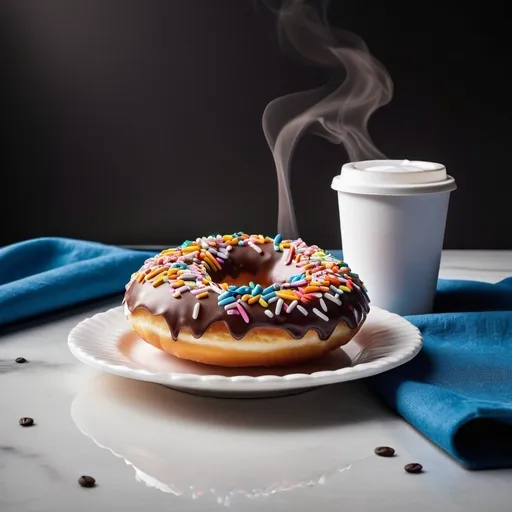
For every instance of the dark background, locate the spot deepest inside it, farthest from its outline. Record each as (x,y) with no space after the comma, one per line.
(139,121)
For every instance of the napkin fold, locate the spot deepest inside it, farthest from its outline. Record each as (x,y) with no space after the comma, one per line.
(45,274)
(458,390)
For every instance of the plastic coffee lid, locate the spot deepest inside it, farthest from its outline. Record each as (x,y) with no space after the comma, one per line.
(393,177)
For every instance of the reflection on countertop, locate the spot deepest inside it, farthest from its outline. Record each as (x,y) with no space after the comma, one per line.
(195,447)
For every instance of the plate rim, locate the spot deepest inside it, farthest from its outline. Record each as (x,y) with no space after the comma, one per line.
(376,366)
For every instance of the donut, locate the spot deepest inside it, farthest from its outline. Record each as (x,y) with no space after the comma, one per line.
(245,300)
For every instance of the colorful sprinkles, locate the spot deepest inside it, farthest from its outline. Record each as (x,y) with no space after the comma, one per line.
(188,269)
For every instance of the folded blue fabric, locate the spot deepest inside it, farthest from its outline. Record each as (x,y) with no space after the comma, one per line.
(458,390)
(44,274)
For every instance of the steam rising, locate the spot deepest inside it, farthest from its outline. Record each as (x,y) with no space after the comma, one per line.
(338,111)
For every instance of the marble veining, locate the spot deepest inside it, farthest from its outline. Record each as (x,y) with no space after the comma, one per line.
(11,366)
(151,448)
(25,454)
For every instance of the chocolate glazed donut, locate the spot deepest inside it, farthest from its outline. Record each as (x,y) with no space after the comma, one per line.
(246,300)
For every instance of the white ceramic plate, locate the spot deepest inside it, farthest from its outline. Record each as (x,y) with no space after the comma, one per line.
(106,342)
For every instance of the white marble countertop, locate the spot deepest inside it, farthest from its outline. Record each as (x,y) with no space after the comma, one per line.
(312,451)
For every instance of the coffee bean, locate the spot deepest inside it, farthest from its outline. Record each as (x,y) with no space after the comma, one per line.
(384,451)
(414,467)
(21,360)
(87,481)
(26,422)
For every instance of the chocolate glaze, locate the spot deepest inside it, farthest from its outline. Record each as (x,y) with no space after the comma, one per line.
(178,312)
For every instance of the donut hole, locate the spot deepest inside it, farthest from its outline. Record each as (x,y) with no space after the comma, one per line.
(244,278)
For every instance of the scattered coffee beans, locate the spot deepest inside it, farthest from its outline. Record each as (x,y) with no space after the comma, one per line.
(26,422)
(413,468)
(384,451)
(87,481)
(21,360)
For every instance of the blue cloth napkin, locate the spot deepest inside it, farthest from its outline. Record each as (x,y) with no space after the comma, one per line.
(458,390)
(45,274)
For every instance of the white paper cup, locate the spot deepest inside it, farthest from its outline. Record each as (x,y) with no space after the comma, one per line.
(393,218)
